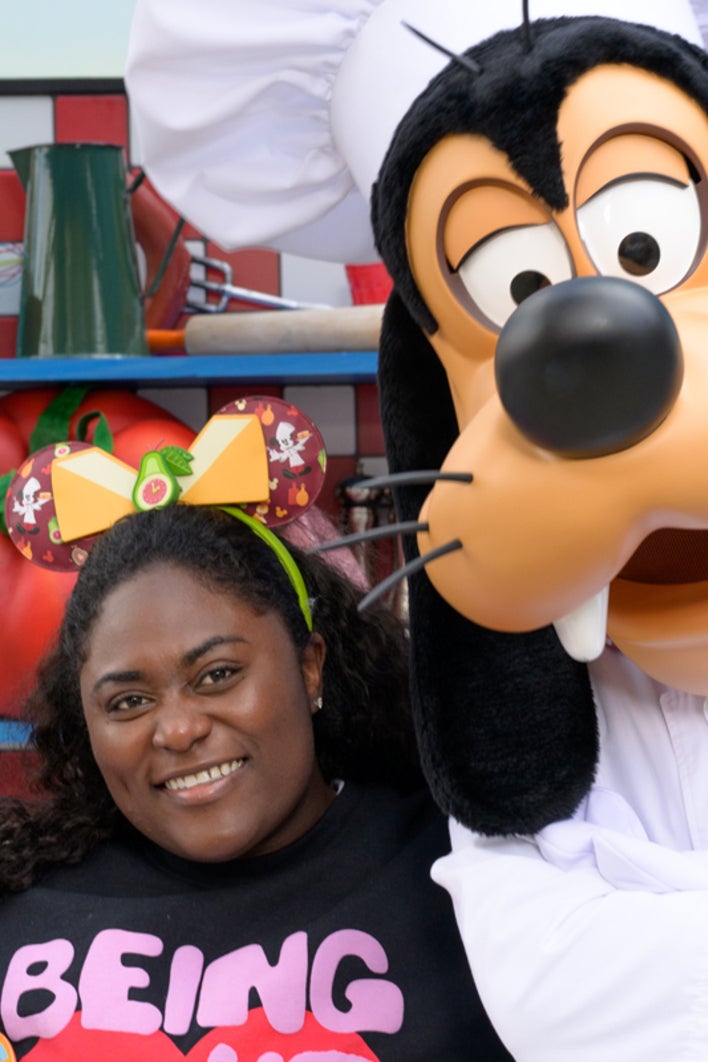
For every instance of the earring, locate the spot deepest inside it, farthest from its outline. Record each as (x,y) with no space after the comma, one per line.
(318,704)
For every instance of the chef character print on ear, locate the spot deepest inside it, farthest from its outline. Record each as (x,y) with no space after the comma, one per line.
(297,460)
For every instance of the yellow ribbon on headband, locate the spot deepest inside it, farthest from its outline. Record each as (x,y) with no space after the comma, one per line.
(227,464)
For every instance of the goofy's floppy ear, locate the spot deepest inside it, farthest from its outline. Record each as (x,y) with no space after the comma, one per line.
(506,722)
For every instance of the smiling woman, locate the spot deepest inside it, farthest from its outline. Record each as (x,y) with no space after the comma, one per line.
(230,847)
(203,734)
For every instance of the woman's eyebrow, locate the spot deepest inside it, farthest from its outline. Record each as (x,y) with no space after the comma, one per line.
(117,676)
(193,655)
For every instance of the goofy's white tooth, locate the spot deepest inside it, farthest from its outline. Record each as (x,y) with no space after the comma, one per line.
(583,632)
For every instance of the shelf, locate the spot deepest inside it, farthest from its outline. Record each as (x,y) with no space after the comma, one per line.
(165,370)
(13,734)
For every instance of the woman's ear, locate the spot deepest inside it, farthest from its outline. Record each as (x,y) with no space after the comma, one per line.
(311,665)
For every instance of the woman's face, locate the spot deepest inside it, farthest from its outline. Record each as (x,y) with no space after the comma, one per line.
(199,715)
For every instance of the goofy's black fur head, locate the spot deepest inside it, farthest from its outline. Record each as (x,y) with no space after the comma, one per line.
(503,372)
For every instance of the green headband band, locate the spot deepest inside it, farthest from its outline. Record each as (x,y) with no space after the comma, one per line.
(291,569)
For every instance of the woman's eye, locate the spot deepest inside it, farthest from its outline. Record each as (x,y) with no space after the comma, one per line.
(512,264)
(127,703)
(645,229)
(217,675)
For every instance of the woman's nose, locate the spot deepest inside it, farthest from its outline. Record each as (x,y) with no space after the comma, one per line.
(179,723)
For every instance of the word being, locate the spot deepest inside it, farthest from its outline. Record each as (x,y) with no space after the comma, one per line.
(213,995)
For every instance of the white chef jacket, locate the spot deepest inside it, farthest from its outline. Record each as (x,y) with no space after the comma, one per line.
(589,940)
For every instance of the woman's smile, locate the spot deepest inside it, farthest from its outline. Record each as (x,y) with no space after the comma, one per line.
(201,777)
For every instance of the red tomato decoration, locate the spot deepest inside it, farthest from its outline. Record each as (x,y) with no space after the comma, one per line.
(32,597)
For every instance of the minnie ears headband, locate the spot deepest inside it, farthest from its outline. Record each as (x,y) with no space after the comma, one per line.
(259,458)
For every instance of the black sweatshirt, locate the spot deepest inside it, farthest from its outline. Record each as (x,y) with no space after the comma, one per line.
(337,947)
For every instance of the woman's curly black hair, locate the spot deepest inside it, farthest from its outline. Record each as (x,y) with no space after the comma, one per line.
(363,734)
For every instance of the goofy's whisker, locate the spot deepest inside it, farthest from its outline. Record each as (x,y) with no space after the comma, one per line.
(406,527)
(408,569)
(403,479)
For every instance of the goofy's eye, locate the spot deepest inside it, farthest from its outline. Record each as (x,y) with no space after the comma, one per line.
(645,229)
(508,266)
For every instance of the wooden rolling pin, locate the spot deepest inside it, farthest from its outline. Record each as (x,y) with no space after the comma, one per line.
(275,332)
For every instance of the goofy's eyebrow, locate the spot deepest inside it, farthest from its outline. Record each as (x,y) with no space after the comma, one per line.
(630,155)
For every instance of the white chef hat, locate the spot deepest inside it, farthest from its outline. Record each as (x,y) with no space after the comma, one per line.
(265,122)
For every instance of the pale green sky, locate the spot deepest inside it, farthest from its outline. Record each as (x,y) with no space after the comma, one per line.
(63,38)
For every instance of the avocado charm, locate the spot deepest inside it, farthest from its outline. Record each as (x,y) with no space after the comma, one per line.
(156,485)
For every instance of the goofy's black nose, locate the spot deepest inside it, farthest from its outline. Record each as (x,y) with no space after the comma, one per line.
(589,366)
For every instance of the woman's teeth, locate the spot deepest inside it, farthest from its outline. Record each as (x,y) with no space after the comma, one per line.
(213,774)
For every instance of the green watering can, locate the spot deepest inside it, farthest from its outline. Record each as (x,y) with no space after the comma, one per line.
(80,279)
